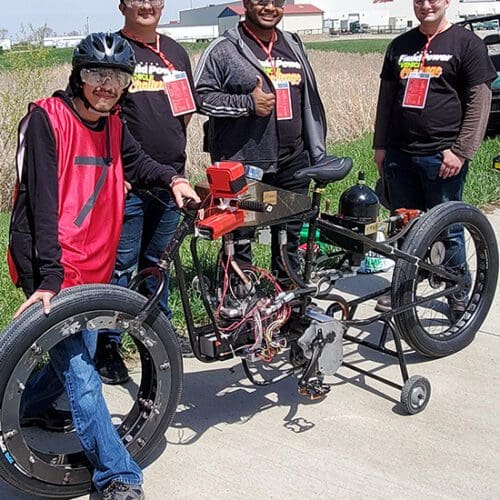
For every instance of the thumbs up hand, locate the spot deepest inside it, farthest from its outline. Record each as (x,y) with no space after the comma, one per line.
(263,102)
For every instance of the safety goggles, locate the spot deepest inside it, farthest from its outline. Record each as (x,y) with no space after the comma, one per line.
(98,76)
(431,2)
(139,3)
(277,3)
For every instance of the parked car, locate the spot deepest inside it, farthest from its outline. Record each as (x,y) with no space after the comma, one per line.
(492,41)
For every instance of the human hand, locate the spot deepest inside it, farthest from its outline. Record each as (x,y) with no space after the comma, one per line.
(451,165)
(42,296)
(263,102)
(126,187)
(379,157)
(181,189)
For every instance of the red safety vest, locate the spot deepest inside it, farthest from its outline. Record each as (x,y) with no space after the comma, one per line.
(91,194)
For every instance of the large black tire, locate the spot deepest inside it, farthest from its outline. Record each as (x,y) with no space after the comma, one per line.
(441,338)
(24,343)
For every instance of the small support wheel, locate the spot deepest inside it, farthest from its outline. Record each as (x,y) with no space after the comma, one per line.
(415,394)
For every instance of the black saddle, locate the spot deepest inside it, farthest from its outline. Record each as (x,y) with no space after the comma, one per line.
(329,169)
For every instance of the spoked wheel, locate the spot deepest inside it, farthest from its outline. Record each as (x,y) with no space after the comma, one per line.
(446,324)
(53,464)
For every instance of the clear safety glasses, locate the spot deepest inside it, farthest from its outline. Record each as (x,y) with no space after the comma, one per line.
(276,3)
(139,3)
(98,76)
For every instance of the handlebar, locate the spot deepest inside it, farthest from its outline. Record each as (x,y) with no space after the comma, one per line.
(253,206)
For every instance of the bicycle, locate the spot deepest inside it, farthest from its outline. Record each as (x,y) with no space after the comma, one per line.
(251,315)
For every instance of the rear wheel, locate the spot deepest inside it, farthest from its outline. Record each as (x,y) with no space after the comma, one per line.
(54,464)
(445,325)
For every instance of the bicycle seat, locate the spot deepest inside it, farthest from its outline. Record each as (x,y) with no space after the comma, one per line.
(329,169)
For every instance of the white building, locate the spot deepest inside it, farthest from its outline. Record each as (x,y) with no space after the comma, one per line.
(397,14)
(5,44)
(298,18)
(183,33)
(62,42)
(473,8)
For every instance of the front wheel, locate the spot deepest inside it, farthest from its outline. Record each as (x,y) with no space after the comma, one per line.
(53,464)
(459,239)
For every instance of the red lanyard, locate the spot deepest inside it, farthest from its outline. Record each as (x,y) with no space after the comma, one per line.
(267,50)
(426,47)
(156,49)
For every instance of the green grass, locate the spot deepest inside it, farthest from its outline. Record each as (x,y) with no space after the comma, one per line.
(13,59)
(482,188)
(363,46)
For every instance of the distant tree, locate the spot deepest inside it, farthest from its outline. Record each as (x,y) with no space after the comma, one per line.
(3,33)
(73,33)
(35,35)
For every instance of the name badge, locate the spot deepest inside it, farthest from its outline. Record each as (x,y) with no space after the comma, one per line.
(179,93)
(283,100)
(416,91)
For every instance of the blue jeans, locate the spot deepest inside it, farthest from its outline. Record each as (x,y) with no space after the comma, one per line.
(413,182)
(148,226)
(71,368)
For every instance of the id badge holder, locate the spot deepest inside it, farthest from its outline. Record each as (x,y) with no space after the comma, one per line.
(283,100)
(179,93)
(417,88)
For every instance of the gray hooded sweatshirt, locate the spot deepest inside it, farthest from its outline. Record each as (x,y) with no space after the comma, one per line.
(225,77)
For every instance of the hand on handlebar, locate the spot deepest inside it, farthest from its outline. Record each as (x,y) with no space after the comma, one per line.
(183,191)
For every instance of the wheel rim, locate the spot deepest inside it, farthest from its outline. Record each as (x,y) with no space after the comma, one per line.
(137,426)
(434,316)
(418,396)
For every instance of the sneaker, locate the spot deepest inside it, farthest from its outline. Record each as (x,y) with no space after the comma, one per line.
(384,304)
(185,343)
(109,364)
(457,308)
(52,420)
(121,491)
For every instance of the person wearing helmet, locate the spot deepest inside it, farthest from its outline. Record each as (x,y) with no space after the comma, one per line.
(74,157)
(155,120)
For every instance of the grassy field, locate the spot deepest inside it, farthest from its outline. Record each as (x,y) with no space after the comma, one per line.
(53,57)
(375,45)
(483,187)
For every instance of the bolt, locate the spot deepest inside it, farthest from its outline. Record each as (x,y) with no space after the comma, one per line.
(165,366)
(11,434)
(37,350)
(32,459)
(20,387)
(141,442)
(67,478)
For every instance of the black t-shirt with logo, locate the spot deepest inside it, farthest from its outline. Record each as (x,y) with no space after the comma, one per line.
(288,68)
(146,108)
(457,60)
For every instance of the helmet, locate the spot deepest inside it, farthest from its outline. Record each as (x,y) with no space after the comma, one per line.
(108,50)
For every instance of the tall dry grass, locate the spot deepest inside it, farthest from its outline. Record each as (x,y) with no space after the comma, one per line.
(18,88)
(348,85)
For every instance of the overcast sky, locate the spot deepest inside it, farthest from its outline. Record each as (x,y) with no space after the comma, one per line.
(64,16)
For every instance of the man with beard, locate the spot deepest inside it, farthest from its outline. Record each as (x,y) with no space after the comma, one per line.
(73,158)
(259,91)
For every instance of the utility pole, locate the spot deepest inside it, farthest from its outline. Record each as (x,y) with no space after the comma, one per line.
(87,26)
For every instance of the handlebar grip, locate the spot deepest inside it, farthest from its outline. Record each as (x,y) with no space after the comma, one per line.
(255,206)
(192,205)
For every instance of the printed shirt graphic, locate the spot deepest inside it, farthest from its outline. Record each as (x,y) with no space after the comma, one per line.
(290,70)
(456,61)
(146,108)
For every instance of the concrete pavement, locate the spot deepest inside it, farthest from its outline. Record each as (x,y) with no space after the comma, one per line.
(231,440)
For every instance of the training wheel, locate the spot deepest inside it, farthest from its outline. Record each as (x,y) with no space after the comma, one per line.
(415,394)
